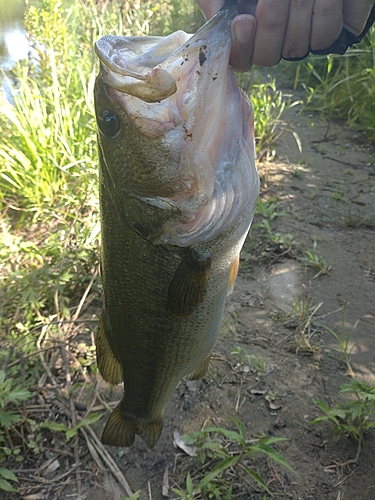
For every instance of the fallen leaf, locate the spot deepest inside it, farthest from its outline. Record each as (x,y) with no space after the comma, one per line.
(51,468)
(180,443)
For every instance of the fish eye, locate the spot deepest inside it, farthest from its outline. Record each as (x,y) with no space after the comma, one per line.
(109,124)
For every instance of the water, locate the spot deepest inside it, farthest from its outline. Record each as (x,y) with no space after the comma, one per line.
(13,41)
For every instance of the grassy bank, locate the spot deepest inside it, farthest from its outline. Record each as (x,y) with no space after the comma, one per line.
(340,87)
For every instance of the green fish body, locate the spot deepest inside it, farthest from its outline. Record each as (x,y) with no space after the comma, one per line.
(178,188)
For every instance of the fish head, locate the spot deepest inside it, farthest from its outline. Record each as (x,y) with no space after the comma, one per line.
(176,132)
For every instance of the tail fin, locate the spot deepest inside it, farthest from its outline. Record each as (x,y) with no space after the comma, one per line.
(121,431)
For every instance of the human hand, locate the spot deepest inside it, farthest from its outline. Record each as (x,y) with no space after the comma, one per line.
(267,30)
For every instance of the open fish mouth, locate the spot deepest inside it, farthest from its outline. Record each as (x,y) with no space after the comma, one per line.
(180,88)
(147,67)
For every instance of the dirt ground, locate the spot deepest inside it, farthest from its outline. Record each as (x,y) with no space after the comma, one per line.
(327,193)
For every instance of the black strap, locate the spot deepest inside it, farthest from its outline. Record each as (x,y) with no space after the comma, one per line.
(345,40)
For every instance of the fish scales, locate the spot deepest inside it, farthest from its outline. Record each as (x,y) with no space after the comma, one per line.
(178,188)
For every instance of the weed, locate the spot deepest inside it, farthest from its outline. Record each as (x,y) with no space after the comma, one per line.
(340,87)
(302,308)
(359,219)
(272,395)
(353,418)
(344,339)
(316,261)
(280,316)
(269,212)
(296,170)
(254,363)
(338,193)
(282,243)
(306,330)
(268,105)
(268,209)
(134,496)
(231,326)
(70,433)
(10,393)
(223,451)
(6,476)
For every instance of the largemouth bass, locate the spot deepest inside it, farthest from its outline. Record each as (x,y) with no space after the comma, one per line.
(178,187)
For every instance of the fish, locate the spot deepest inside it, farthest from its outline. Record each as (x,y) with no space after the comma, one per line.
(178,188)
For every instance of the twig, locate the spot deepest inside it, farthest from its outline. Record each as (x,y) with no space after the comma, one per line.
(322,316)
(92,449)
(73,414)
(106,405)
(17,361)
(84,296)
(41,357)
(8,358)
(348,462)
(62,487)
(93,401)
(108,460)
(285,338)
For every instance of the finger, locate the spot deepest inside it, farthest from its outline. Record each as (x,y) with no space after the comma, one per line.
(210,7)
(356,14)
(297,35)
(272,18)
(327,23)
(243,33)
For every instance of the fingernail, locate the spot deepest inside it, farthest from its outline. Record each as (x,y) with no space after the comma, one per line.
(242,29)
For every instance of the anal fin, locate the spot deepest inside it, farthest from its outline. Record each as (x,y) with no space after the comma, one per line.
(188,288)
(200,372)
(109,366)
(121,431)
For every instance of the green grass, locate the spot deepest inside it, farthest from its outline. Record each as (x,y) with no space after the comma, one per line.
(316,261)
(344,338)
(353,418)
(338,86)
(220,451)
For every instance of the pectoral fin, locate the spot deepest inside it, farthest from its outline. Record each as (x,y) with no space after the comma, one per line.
(233,274)
(109,366)
(200,372)
(188,288)
(121,430)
